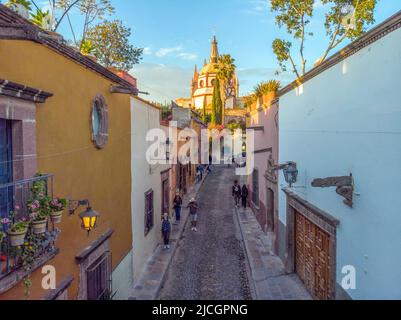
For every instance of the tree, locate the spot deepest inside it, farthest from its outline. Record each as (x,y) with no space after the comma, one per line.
(217,104)
(225,73)
(346,19)
(112,48)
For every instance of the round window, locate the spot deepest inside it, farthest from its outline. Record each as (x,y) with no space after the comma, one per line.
(99,122)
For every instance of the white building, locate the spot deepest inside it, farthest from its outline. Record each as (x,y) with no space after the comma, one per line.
(150,185)
(345,119)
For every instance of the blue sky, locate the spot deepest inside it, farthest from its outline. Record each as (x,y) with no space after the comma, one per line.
(176,35)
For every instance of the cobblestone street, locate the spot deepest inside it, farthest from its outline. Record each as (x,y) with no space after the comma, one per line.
(210,264)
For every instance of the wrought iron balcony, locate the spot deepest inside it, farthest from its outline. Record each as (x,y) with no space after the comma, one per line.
(14,197)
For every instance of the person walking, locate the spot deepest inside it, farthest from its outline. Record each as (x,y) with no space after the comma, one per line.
(236,192)
(193,211)
(244,196)
(177,202)
(166,230)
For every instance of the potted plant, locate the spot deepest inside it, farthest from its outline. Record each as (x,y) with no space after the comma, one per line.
(57,206)
(39,222)
(17,232)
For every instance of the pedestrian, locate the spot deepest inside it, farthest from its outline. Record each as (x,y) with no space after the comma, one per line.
(177,202)
(166,230)
(193,211)
(201,169)
(236,192)
(244,196)
(198,174)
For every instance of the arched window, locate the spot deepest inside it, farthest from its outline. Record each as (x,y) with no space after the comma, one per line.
(100,122)
(212,82)
(202,84)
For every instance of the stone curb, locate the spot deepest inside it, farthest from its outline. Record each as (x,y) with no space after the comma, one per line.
(252,282)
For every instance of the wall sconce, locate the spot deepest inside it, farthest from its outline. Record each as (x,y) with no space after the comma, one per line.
(88,217)
(290,171)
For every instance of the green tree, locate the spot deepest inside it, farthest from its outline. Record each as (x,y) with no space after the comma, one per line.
(346,19)
(112,48)
(226,68)
(24,3)
(217,104)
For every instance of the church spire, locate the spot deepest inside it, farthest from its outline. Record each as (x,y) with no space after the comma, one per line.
(215,52)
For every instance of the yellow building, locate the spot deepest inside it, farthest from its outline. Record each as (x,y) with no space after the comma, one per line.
(76,127)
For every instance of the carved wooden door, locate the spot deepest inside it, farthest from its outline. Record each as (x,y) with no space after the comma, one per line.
(312,257)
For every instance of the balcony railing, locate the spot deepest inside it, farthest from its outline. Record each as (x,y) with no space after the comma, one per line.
(14,197)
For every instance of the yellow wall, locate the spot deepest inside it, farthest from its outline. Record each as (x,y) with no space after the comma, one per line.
(64,148)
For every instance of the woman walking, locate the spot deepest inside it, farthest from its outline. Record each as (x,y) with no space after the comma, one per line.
(166,230)
(177,207)
(244,196)
(193,211)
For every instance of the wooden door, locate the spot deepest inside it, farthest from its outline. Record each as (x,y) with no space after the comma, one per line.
(6,175)
(312,257)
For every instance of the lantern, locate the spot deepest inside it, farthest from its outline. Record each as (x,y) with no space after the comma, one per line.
(290,173)
(89,219)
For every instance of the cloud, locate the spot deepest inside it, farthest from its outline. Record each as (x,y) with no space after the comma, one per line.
(163,82)
(188,56)
(162,52)
(257,7)
(147,51)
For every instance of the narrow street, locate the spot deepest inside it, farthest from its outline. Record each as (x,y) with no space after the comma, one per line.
(210,264)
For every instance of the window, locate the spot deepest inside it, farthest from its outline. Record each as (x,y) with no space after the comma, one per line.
(99,278)
(149,212)
(202,84)
(99,122)
(255,187)
(212,82)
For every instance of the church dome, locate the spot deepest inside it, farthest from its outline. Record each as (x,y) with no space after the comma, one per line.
(209,68)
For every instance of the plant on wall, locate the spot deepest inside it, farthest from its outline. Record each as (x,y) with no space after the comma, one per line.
(264,88)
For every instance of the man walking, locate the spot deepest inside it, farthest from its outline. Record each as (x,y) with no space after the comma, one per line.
(177,207)
(244,196)
(166,230)
(193,211)
(236,192)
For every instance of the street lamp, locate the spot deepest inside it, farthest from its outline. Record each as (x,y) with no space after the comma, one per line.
(290,173)
(88,217)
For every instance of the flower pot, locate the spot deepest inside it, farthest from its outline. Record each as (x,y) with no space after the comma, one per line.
(17,238)
(39,227)
(56,217)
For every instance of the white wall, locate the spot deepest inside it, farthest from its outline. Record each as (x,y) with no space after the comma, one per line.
(122,278)
(348,120)
(143,118)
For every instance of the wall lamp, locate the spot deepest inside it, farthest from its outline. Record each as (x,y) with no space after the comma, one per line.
(88,217)
(290,171)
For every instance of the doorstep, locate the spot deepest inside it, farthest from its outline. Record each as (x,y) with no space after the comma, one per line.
(152,277)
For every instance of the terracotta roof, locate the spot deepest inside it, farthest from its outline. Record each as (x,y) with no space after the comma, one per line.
(15,27)
(391,24)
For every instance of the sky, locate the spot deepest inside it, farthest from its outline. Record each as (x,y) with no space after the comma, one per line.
(176,35)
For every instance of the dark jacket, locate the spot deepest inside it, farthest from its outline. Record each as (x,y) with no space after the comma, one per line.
(166,226)
(193,207)
(245,192)
(236,191)
(177,202)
